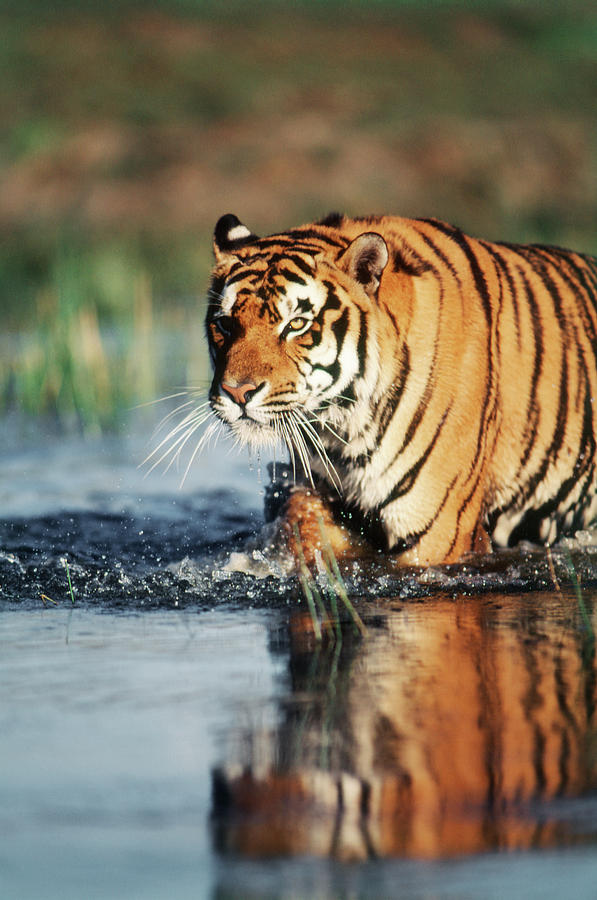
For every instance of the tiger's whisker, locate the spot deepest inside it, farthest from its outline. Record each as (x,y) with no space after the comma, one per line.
(181,442)
(288,442)
(175,412)
(182,393)
(196,409)
(196,416)
(188,429)
(212,429)
(301,446)
(319,449)
(327,427)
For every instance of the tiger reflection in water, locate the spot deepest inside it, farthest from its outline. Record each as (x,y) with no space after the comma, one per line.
(437,736)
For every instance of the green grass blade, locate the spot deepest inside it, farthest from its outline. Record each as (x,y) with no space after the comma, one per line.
(305,579)
(337,582)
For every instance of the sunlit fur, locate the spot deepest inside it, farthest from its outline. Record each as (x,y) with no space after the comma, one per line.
(441,385)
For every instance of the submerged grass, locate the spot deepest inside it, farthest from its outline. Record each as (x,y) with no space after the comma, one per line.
(70,584)
(309,587)
(588,641)
(335,581)
(45,598)
(325,620)
(576,587)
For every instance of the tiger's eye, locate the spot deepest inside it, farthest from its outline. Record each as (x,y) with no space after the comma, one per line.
(297,324)
(224,325)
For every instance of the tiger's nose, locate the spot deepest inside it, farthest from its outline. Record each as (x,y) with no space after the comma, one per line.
(241,393)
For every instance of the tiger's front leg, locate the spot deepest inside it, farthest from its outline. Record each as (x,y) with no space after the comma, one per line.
(311,530)
(308,525)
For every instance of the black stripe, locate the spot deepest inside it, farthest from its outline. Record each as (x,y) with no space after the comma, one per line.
(410,540)
(341,457)
(289,275)
(339,328)
(584,460)
(575,284)
(270,311)
(393,318)
(388,405)
(561,321)
(332,300)
(427,393)
(332,220)
(408,480)
(316,334)
(503,268)
(301,264)
(309,234)
(424,402)
(418,416)
(463,242)
(348,397)
(362,342)
(522,529)
(466,503)
(488,409)
(532,406)
(241,275)
(304,305)
(406,259)
(440,254)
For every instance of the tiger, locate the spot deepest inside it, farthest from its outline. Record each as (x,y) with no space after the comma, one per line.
(437,387)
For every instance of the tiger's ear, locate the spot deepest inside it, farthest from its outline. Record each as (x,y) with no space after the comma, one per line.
(229,235)
(365,259)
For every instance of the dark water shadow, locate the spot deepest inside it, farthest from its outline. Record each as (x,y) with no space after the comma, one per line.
(173,552)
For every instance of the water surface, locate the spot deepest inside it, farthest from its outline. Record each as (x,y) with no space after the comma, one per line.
(172,729)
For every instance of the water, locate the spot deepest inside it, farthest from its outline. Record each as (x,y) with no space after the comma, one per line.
(175,731)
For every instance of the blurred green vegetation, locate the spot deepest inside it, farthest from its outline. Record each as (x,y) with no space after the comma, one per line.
(129,127)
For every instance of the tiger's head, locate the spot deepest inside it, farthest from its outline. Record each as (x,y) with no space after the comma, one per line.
(292,330)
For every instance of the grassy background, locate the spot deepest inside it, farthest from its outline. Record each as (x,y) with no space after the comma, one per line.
(128,128)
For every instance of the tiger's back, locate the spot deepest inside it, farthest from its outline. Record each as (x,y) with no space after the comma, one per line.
(441,383)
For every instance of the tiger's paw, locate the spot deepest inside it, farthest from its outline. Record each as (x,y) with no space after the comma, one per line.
(305,539)
(302,533)
(311,533)
(304,521)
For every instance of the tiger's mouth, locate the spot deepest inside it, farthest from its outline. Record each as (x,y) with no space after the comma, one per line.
(255,432)
(292,428)
(234,414)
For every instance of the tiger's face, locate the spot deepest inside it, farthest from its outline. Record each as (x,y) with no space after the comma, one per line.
(285,326)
